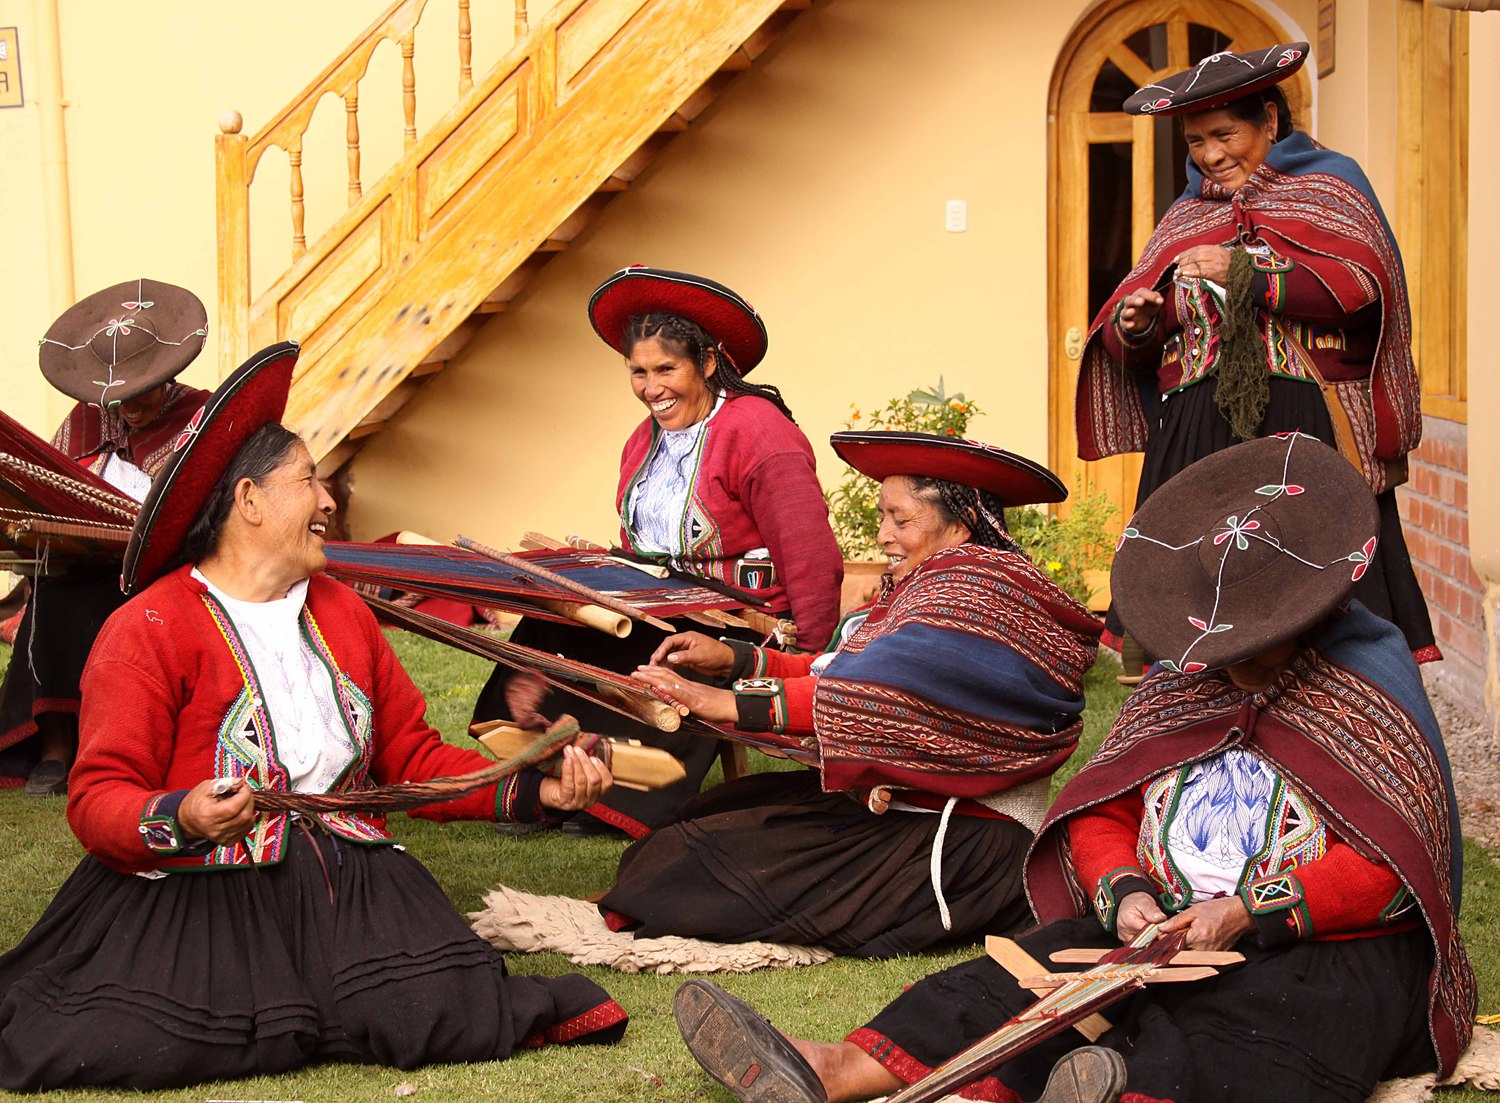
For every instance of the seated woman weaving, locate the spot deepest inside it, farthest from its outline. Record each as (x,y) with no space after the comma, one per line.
(935,727)
(1278,786)
(202,938)
(718,482)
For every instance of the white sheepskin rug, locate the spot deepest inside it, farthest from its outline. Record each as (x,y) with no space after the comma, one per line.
(522,922)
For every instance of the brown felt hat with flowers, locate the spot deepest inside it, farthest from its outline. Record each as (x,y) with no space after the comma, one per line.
(254,395)
(726,317)
(1218,79)
(1013,479)
(123,341)
(1243,550)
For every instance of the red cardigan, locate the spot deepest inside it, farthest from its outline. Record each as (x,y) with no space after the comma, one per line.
(756,487)
(165,706)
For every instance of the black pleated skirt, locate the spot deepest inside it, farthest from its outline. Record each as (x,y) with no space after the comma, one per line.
(1316,1022)
(771,857)
(1189,426)
(342,952)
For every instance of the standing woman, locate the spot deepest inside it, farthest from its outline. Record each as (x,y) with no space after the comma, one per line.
(717,481)
(118,352)
(1270,298)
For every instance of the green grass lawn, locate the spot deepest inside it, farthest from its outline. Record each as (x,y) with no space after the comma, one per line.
(37,852)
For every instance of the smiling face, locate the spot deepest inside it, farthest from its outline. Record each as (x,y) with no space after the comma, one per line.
(912,528)
(1227,149)
(670,384)
(143,409)
(293,509)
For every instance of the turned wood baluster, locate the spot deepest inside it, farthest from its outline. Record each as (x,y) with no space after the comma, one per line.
(299,233)
(465,48)
(409,87)
(522,26)
(351,139)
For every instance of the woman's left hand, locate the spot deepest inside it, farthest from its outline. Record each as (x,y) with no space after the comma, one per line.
(1204,262)
(1213,924)
(705,702)
(583,780)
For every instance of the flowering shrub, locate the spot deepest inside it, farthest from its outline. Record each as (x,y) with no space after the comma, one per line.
(852,505)
(1066,548)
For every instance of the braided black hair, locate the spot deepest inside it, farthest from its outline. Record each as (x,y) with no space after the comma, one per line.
(684,337)
(979,510)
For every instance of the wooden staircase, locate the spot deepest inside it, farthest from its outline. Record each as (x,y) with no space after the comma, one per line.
(526,157)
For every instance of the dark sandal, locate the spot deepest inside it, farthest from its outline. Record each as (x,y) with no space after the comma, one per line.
(741,1050)
(1091,1074)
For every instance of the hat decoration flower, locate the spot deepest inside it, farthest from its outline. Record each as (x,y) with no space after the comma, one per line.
(1218,79)
(1242,550)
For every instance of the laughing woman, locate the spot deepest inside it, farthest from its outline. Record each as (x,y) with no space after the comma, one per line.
(717,481)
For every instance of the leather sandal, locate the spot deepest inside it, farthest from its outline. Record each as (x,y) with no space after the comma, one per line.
(1091,1074)
(741,1050)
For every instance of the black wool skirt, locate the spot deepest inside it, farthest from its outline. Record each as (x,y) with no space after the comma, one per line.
(342,952)
(771,857)
(1315,1022)
(1189,426)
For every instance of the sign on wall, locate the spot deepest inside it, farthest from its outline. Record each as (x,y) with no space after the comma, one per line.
(10,68)
(1327,26)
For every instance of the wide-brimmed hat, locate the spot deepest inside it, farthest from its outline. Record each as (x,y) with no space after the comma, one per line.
(1217,80)
(1013,479)
(1246,549)
(727,317)
(254,395)
(123,341)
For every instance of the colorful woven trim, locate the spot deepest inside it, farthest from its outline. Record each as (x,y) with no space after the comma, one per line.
(1399,908)
(749,661)
(159,828)
(1131,340)
(761,703)
(1279,908)
(1113,887)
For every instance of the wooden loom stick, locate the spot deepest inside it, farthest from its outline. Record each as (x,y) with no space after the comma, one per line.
(587,614)
(556,579)
(1007,953)
(634,766)
(1083,955)
(536,541)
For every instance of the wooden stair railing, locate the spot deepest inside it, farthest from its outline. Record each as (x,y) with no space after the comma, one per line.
(524,158)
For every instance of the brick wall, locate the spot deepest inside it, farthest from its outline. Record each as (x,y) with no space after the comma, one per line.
(1434,511)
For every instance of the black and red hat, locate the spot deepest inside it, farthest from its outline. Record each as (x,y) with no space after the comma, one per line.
(123,341)
(1217,80)
(727,318)
(1243,550)
(254,395)
(1013,479)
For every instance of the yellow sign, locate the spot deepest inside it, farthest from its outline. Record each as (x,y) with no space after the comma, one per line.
(10,68)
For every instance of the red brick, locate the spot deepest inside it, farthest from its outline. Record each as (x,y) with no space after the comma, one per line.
(1424,480)
(1468,609)
(1468,578)
(1461,493)
(1467,642)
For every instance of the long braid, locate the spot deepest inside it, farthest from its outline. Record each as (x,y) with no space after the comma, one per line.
(687,338)
(979,510)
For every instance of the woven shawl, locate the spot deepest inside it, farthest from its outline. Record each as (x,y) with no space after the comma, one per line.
(1303,199)
(1348,723)
(964,681)
(91,431)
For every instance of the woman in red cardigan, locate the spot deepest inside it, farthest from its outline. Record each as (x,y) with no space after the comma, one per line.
(717,481)
(200,938)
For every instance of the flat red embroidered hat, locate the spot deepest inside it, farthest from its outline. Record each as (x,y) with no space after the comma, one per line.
(729,319)
(1217,80)
(1243,550)
(123,341)
(254,395)
(1013,479)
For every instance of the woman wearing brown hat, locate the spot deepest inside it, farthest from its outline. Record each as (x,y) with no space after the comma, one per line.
(206,935)
(1277,785)
(933,728)
(1270,298)
(717,481)
(118,353)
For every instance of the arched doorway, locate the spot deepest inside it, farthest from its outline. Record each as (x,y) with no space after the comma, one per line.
(1110,178)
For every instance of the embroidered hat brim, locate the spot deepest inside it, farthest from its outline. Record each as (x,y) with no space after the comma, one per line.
(1013,479)
(728,318)
(1217,80)
(123,341)
(254,395)
(1243,550)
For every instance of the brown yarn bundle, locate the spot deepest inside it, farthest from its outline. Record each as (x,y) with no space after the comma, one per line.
(1244,387)
(414,794)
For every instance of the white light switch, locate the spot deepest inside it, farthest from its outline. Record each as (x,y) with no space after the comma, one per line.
(956,216)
